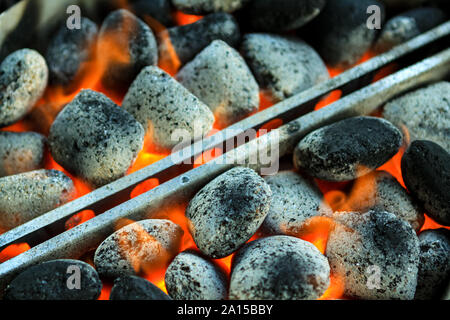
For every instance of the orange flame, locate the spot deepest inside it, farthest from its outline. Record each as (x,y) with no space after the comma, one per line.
(12,251)
(182,19)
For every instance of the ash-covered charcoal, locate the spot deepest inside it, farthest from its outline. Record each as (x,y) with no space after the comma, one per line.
(279,268)
(220,78)
(26,196)
(208,6)
(141,246)
(375,254)
(423,114)
(62,279)
(228,211)
(434,267)
(136,288)
(294,201)
(189,40)
(282,15)
(426,172)
(23,79)
(159,10)
(340,33)
(127,45)
(95,139)
(162,106)
(69,49)
(21,152)
(386,194)
(347,149)
(191,276)
(283,65)
(408,25)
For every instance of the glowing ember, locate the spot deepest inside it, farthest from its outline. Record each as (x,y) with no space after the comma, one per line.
(182,19)
(13,251)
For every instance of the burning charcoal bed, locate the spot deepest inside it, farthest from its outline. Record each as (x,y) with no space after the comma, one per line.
(225,150)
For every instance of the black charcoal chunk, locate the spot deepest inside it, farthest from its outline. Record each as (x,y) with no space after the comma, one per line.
(21,152)
(95,139)
(279,268)
(295,200)
(341,33)
(434,267)
(140,247)
(228,211)
(208,6)
(383,192)
(191,276)
(23,79)
(126,44)
(164,107)
(408,25)
(283,65)
(136,288)
(220,78)
(69,49)
(159,10)
(375,254)
(62,279)
(282,15)
(28,195)
(426,172)
(347,149)
(189,40)
(423,114)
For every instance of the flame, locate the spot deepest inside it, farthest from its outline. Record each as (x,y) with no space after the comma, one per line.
(79,218)
(13,250)
(182,19)
(333,96)
(335,290)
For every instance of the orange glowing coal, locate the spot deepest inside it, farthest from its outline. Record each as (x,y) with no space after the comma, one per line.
(182,19)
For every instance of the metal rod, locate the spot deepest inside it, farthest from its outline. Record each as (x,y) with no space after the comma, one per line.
(289,108)
(77,241)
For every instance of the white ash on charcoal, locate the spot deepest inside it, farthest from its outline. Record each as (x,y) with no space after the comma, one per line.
(189,40)
(434,267)
(220,78)
(127,45)
(69,49)
(384,193)
(375,254)
(139,247)
(283,65)
(408,25)
(295,200)
(423,114)
(347,149)
(340,32)
(28,195)
(163,106)
(62,279)
(282,15)
(95,139)
(191,276)
(159,10)
(228,211)
(426,173)
(279,268)
(136,288)
(23,79)
(21,152)
(208,6)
